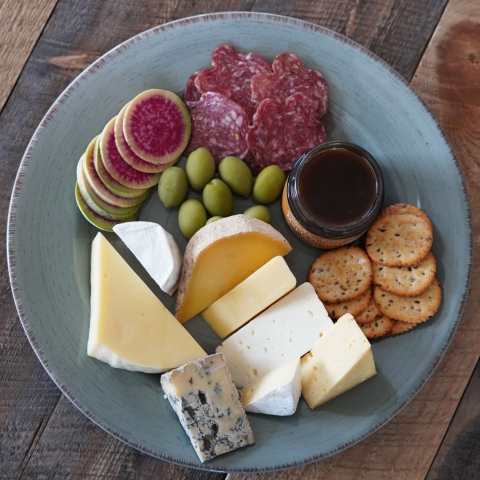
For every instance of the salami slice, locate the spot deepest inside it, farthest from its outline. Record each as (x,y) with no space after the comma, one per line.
(192,93)
(218,124)
(231,75)
(280,134)
(290,76)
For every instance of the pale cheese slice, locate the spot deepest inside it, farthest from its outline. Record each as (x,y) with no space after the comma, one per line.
(155,249)
(256,293)
(339,361)
(220,256)
(129,327)
(277,393)
(286,330)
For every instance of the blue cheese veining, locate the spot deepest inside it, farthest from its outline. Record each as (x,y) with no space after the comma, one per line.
(207,403)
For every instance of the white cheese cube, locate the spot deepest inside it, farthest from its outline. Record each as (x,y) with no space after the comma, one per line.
(206,401)
(155,249)
(286,330)
(339,361)
(249,298)
(277,393)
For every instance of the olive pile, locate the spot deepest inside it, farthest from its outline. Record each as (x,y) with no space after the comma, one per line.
(217,196)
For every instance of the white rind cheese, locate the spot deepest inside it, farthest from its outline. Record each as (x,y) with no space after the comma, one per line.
(286,330)
(339,361)
(277,393)
(155,249)
(256,293)
(129,327)
(206,401)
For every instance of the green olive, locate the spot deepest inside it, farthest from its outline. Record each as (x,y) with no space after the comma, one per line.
(172,187)
(213,219)
(269,184)
(200,168)
(218,198)
(236,174)
(258,211)
(191,217)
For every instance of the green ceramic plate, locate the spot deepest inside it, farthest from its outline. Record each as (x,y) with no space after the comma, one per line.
(49,240)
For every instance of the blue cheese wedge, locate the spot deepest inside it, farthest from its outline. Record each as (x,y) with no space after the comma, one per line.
(277,393)
(339,361)
(155,249)
(286,330)
(206,401)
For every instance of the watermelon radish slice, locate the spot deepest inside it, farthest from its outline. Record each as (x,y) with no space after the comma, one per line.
(114,186)
(94,218)
(157,126)
(99,187)
(129,155)
(117,167)
(96,203)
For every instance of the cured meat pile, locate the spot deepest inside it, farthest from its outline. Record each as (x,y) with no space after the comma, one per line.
(265,115)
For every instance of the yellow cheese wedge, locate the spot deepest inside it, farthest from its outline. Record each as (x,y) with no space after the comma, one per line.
(256,293)
(220,256)
(339,361)
(129,326)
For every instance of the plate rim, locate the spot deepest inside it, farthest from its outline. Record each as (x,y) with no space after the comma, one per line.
(98,64)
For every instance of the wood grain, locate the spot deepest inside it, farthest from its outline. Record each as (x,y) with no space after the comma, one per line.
(22,23)
(448,80)
(45,435)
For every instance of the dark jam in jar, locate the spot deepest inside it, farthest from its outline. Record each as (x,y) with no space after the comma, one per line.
(338,187)
(333,194)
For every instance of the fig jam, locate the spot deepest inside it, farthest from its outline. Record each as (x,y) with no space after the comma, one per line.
(338,187)
(333,194)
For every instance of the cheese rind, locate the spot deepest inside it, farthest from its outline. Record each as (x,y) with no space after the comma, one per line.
(339,361)
(286,330)
(206,401)
(155,249)
(129,327)
(256,293)
(220,256)
(277,393)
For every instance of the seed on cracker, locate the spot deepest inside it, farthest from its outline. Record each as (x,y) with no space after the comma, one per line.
(399,240)
(369,314)
(400,327)
(409,309)
(341,275)
(353,307)
(406,281)
(405,208)
(378,328)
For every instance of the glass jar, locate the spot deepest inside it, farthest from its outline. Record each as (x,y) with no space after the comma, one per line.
(333,194)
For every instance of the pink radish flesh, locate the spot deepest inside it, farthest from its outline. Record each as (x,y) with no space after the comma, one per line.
(117,167)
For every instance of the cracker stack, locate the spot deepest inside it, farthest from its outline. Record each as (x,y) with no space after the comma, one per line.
(391,287)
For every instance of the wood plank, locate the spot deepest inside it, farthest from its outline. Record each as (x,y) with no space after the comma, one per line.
(40,439)
(22,23)
(459,454)
(448,80)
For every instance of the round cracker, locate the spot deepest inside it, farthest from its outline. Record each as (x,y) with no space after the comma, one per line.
(404,208)
(399,240)
(353,307)
(341,275)
(409,309)
(370,314)
(378,328)
(400,327)
(406,281)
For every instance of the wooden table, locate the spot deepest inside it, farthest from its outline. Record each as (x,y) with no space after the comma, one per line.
(434,44)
